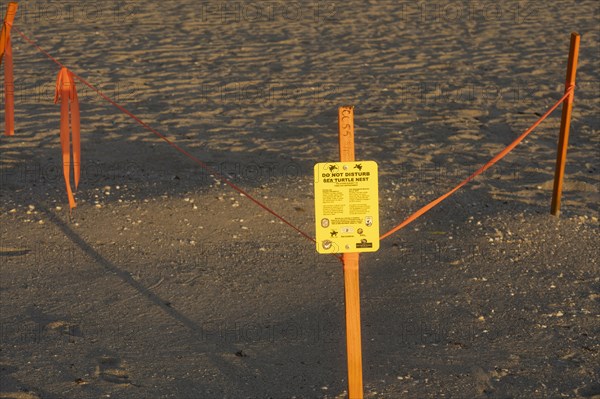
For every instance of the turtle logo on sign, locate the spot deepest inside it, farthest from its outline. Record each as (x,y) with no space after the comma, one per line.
(334,233)
(332,168)
(358,166)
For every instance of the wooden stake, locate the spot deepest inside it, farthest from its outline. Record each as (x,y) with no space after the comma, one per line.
(9,18)
(351,276)
(565,123)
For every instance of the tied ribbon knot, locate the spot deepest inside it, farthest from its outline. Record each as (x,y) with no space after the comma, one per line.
(9,81)
(66,93)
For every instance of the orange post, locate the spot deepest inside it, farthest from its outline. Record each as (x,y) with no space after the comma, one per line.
(351,277)
(565,123)
(9,18)
(9,81)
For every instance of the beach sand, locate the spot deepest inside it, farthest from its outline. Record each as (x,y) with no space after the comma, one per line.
(166,283)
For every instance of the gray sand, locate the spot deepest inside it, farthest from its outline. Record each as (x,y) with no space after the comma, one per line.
(167,284)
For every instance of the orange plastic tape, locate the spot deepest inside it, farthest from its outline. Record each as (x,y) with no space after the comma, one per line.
(66,92)
(9,18)
(569,92)
(169,142)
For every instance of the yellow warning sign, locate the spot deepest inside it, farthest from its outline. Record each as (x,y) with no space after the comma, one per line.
(347,207)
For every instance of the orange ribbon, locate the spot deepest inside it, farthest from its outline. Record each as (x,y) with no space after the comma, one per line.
(9,81)
(568,93)
(66,92)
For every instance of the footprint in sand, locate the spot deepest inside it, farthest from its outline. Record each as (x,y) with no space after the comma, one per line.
(18,395)
(112,370)
(64,328)
(11,388)
(591,391)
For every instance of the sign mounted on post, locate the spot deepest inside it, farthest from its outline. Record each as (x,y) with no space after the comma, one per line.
(347,207)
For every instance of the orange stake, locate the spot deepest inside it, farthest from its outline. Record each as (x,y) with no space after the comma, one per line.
(351,276)
(9,82)
(66,92)
(565,124)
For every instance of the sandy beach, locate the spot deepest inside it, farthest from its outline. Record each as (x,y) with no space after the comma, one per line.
(166,283)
